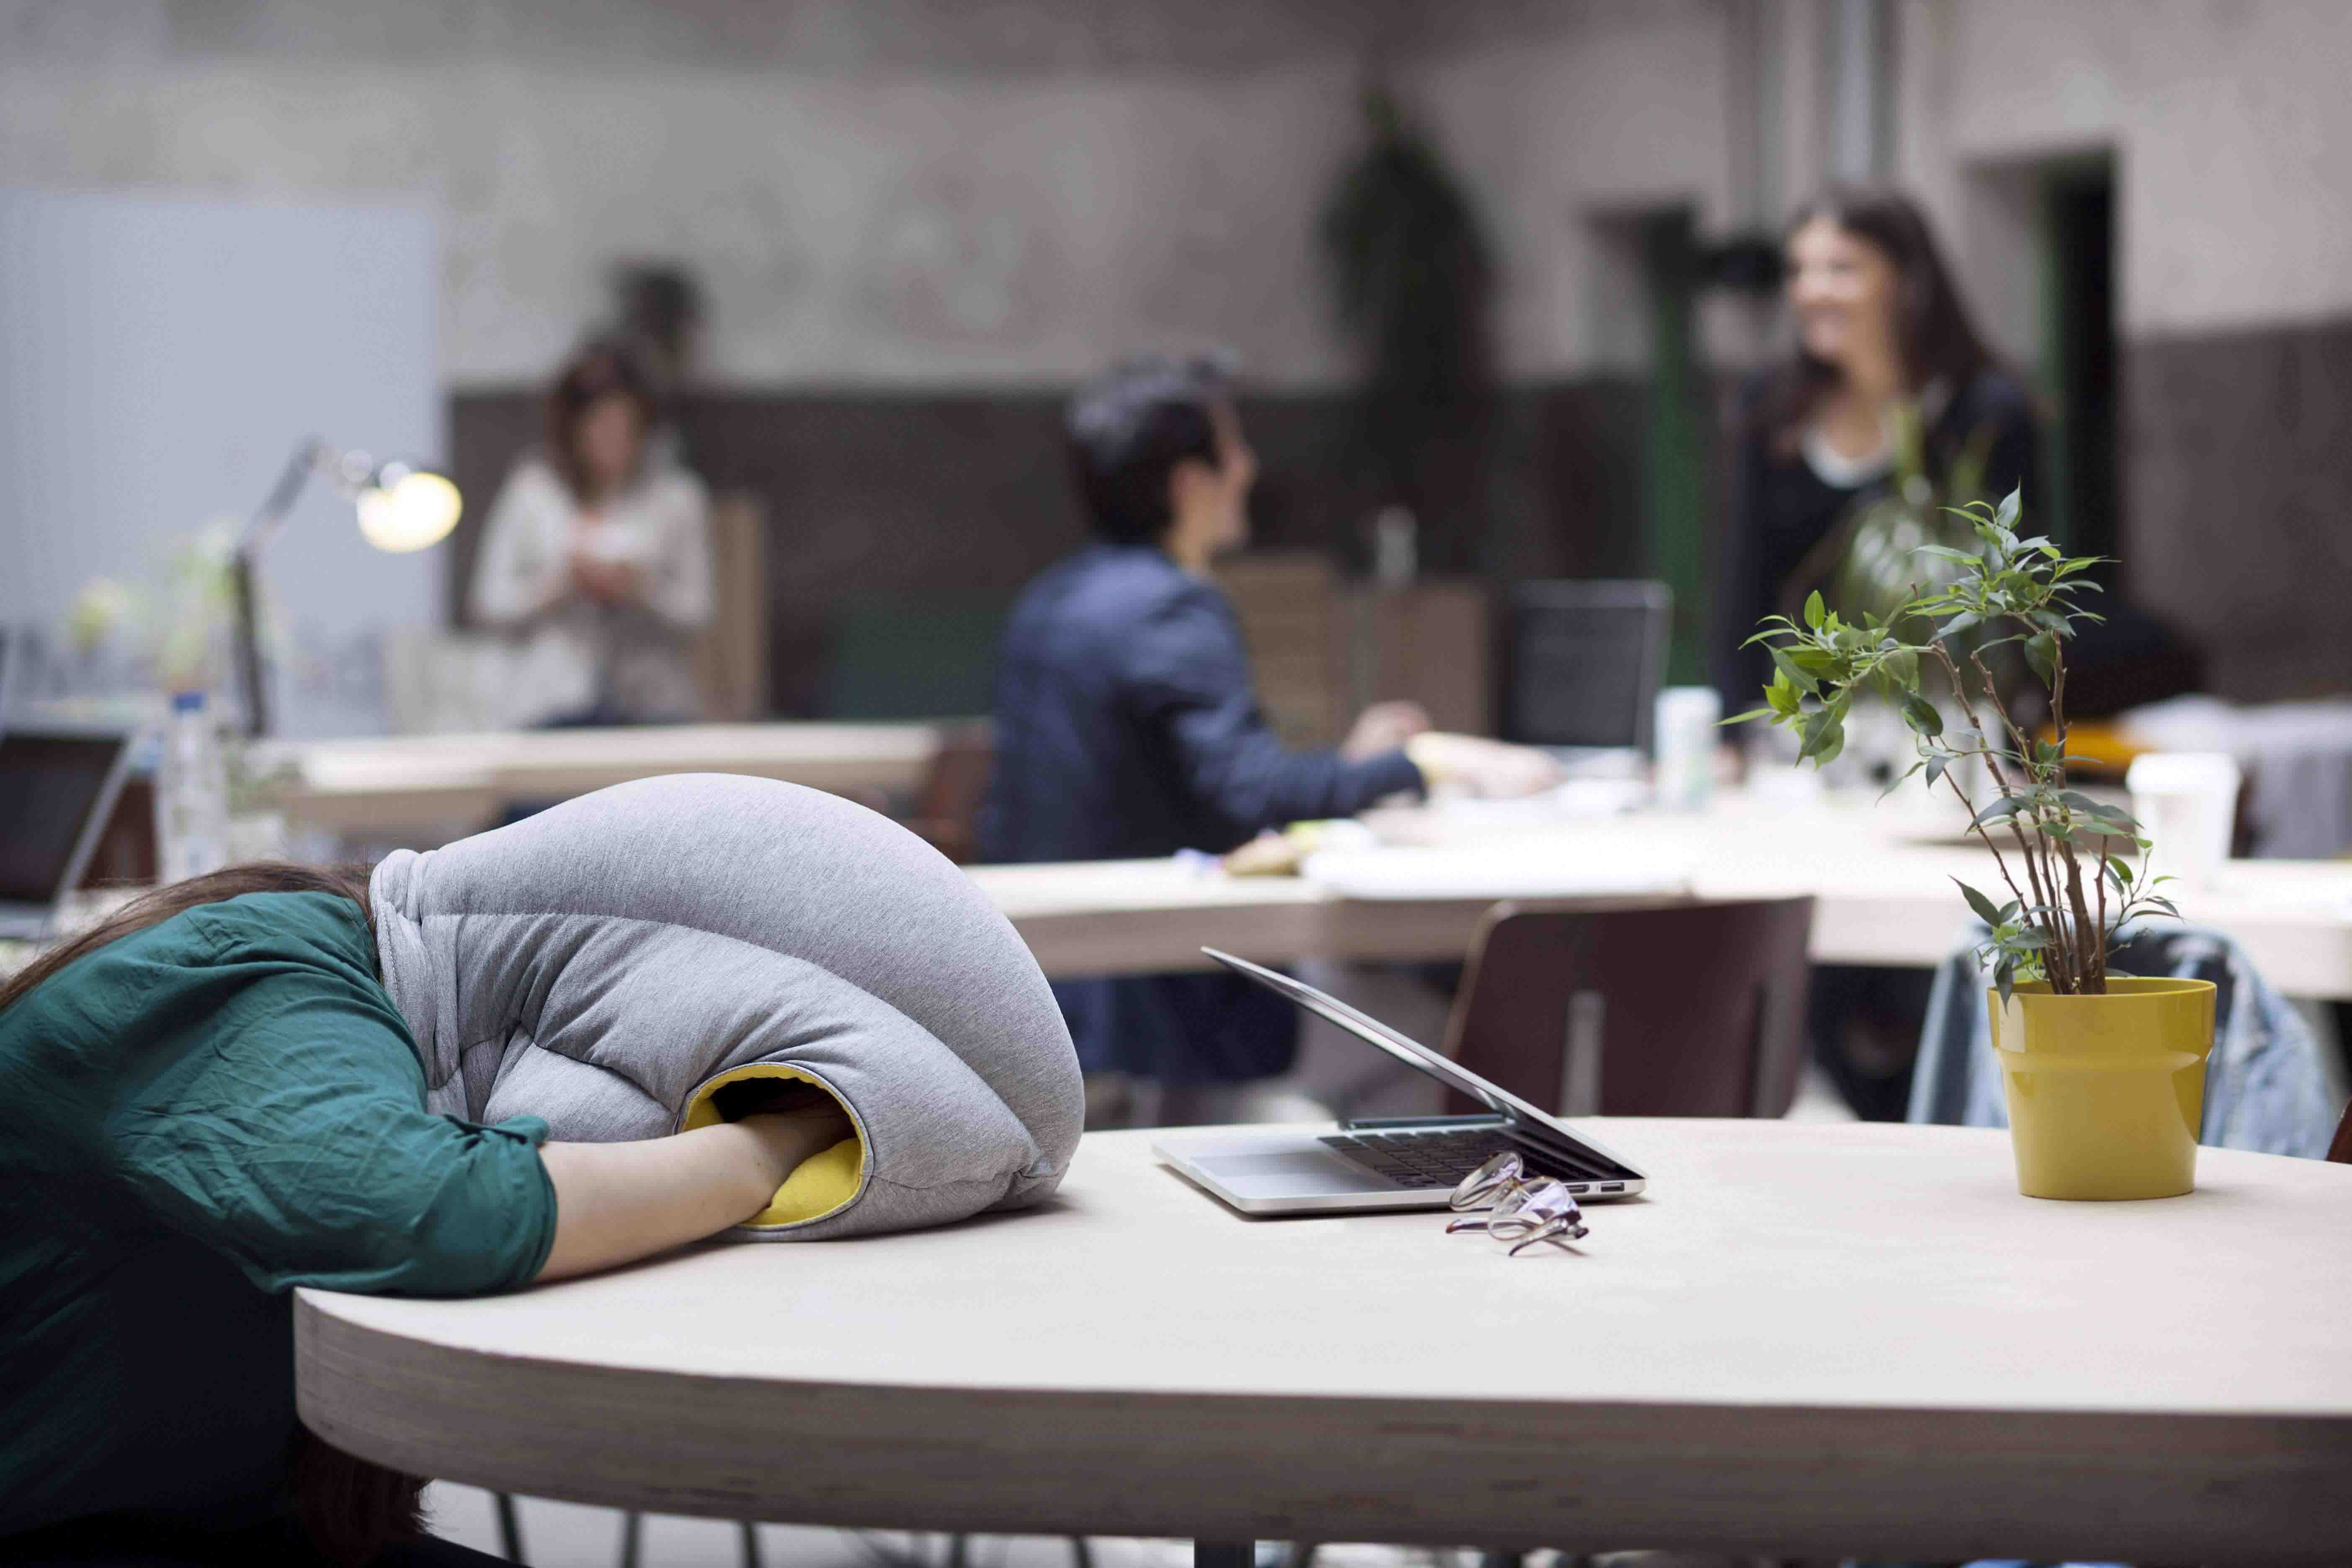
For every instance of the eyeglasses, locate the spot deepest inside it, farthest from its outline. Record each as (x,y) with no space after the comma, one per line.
(1516,1210)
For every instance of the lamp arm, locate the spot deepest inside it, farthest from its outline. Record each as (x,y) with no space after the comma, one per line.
(310,457)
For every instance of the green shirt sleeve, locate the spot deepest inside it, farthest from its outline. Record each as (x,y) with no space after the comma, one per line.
(297,1142)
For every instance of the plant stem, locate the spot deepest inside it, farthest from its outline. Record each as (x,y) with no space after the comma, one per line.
(2100,882)
(2000,784)
(2085,943)
(1970,807)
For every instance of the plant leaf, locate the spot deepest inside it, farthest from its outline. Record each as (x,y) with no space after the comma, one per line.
(2042,654)
(1813,609)
(1922,715)
(2007,805)
(2005,515)
(1797,675)
(1984,906)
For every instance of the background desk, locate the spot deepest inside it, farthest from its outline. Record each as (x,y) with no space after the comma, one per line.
(1884,898)
(1810,1339)
(456,784)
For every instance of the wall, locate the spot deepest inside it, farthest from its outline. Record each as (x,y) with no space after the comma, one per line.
(2230,132)
(1572,118)
(921,210)
(895,192)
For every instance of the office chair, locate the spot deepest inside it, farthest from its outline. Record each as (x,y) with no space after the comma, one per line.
(947,807)
(1662,1008)
(1583,663)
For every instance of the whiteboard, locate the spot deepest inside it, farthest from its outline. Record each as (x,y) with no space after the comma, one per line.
(161,356)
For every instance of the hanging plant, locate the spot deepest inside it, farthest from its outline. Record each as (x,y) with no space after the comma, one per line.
(1413,282)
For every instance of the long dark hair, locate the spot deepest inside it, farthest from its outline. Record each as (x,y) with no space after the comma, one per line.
(1934,337)
(606,368)
(351,1509)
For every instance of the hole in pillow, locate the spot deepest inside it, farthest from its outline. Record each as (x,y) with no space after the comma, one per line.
(821,1184)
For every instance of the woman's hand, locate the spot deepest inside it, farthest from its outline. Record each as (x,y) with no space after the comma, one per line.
(606,582)
(794,1135)
(616,1203)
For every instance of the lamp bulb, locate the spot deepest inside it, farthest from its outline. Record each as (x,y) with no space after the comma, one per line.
(413,512)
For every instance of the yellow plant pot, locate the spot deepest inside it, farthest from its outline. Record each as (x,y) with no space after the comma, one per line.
(2106,1093)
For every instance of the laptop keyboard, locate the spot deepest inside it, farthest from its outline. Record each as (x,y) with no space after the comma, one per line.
(1442,1157)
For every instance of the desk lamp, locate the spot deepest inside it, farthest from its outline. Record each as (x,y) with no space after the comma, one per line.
(401,507)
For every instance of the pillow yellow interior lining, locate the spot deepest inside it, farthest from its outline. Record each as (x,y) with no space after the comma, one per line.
(817,1185)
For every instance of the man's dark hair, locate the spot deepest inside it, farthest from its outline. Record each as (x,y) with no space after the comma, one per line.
(1129,427)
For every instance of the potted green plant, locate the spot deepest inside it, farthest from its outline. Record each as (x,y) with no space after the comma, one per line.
(2104,1073)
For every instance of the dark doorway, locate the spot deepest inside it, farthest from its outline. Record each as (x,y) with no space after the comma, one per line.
(2079,207)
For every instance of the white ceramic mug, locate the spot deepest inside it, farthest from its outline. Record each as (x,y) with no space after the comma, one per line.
(2186,804)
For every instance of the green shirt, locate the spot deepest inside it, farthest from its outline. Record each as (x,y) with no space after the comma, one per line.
(193,1120)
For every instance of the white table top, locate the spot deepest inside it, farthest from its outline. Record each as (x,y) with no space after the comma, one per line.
(1818,1337)
(1882,880)
(458,782)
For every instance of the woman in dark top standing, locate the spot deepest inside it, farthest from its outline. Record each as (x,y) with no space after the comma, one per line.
(1879,331)
(1879,327)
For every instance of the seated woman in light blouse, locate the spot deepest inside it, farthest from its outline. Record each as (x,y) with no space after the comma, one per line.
(597,552)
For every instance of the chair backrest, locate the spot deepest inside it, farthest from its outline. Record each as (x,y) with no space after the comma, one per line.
(1585,661)
(730,657)
(1654,1009)
(2268,1085)
(946,808)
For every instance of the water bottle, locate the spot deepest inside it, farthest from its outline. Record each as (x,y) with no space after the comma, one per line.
(191,794)
(1685,735)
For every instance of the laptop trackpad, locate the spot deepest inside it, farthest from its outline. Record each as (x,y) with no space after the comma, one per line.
(1303,1173)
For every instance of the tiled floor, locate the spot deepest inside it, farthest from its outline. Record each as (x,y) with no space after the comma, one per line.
(570,1535)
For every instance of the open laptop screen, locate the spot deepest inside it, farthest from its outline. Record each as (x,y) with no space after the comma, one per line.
(51,789)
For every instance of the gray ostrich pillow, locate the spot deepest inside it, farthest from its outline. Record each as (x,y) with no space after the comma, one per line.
(612,963)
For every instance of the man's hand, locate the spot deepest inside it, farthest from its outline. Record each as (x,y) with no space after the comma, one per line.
(1383,727)
(1469,765)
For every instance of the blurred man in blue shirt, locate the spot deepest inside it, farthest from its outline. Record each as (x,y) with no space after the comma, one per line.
(1126,726)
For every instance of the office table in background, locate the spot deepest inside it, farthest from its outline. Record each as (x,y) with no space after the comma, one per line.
(1883,886)
(454,784)
(1810,1339)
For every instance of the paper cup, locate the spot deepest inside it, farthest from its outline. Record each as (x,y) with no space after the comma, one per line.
(2186,804)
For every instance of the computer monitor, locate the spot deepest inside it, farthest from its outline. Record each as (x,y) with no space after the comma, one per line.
(56,792)
(1585,662)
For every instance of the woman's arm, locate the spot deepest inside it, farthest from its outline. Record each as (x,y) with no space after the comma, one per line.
(522,571)
(616,1203)
(679,586)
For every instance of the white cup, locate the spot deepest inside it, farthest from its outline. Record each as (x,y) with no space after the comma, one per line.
(1684,736)
(2186,804)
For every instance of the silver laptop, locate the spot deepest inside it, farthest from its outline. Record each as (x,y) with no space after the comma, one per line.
(1387,1163)
(57,788)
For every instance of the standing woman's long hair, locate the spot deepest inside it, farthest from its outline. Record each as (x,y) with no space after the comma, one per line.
(351,1510)
(605,368)
(1933,334)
